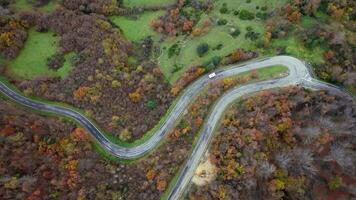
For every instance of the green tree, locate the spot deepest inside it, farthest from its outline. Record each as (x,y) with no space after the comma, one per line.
(151,104)
(202,49)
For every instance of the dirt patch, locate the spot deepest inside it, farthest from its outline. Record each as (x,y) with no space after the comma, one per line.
(205,173)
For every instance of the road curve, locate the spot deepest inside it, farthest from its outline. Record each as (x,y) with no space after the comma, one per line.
(298,74)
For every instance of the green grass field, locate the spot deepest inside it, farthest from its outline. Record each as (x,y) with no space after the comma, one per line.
(24,5)
(137,29)
(133,3)
(218,35)
(295,48)
(32,60)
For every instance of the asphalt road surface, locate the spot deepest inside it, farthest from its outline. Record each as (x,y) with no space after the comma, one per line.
(299,74)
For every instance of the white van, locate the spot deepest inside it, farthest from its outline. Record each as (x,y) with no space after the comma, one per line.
(212,75)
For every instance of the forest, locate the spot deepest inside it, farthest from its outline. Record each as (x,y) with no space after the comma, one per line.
(293,143)
(122,64)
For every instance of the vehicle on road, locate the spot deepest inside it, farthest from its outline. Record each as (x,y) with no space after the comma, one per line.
(212,75)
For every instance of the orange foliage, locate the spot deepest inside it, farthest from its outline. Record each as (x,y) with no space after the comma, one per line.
(198,121)
(295,16)
(80,134)
(161,185)
(7,130)
(197,32)
(81,92)
(329,55)
(254,73)
(151,174)
(237,55)
(187,77)
(175,90)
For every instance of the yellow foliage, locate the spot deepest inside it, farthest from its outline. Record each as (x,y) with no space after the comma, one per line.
(12,183)
(6,39)
(135,96)
(151,174)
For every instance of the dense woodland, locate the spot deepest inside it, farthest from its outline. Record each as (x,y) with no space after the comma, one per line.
(292,144)
(45,158)
(54,158)
(117,84)
(288,144)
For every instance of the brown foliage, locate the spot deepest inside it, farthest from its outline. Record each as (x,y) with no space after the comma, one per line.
(268,145)
(12,36)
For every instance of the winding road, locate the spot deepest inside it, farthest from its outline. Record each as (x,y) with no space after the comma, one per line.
(299,74)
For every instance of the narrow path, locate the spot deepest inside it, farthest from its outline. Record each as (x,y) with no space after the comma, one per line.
(298,74)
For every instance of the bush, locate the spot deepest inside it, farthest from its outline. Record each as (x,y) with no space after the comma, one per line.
(212,64)
(262,16)
(218,47)
(173,50)
(216,60)
(224,9)
(252,35)
(249,29)
(246,15)
(55,62)
(151,104)
(222,22)
(202,49)
(235,33)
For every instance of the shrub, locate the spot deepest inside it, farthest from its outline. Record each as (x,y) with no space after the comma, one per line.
(218,47)
(151,104)
(252,35)
(176,68)
(212,64)
(249,28)
(264,8)
(235,33)
(335,183)
(216,60)
(173,50)
(262,16)
(246,15)
(224,9)
(222,22)
(202,49)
